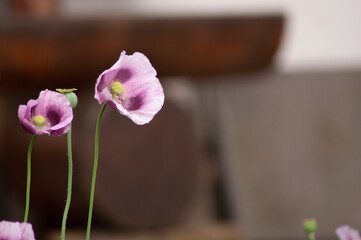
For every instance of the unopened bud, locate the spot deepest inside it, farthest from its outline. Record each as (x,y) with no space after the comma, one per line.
(310,225)
(72,98)
(70,95)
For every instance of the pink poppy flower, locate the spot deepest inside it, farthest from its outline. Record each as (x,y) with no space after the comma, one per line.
(50,114)
(16,231)
(347,233)
(131,87)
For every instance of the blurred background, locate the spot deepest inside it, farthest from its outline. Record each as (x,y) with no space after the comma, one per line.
(260,127)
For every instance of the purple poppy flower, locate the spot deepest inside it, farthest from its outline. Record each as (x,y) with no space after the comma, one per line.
(131,87)
(347,233)
(16,231)
(50,114)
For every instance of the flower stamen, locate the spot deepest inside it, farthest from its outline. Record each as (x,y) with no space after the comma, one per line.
(116,88)
(39,120)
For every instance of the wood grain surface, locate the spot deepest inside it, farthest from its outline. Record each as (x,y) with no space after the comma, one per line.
(214,231)
(70,51)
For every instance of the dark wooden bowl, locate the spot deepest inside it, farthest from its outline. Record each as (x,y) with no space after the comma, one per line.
(73,51)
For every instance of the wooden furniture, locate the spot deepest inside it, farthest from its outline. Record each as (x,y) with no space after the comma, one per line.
(37,51)
(214,231)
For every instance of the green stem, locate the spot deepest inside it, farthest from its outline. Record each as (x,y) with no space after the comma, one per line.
(70,180)
(96,153)
(312,236)
(27,201)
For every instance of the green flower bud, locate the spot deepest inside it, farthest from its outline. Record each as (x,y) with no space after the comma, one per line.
(310,225)
(72,98)
(70,95)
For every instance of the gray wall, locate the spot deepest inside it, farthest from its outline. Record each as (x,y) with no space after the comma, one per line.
(292,150)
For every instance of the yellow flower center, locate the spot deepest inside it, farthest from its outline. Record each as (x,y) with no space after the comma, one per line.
(117,88)
(39,120)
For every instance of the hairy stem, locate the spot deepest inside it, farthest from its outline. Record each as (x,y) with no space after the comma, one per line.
(28,179)
(70,181)
(312,236)
(96,154)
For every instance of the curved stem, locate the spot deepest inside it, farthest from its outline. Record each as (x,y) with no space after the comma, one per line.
(70,180)
(96,153)
(28,178)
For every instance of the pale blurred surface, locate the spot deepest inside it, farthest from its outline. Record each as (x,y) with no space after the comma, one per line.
(292,151)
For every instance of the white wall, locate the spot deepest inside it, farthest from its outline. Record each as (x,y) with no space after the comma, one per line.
(320,34)
(324,34)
